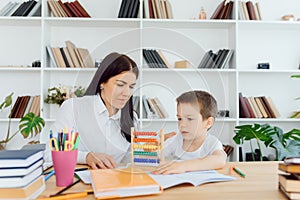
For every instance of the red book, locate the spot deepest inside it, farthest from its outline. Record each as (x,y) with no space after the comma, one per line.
(216,14)
(81,9)
(73,9)
(65,8)
(151,12)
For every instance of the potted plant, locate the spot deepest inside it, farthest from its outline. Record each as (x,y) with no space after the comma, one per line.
(285,144)
(29,125)
(57,95)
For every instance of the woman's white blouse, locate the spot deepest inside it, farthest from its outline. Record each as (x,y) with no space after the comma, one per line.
(98,132)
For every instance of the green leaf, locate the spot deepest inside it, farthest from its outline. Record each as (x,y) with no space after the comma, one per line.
(286,144)
(31,125)
(295,76)
(255,131)
(7,102)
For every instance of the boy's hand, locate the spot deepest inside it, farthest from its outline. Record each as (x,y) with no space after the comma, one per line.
(170,168)
(169,135)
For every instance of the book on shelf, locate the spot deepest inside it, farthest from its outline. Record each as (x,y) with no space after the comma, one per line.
(289,183)
(67,9)
(219,60)
(290,195)
(65,60)
(129,9)
(30,191)
(218,10)
(249,108)
(81,9)
(71,48)
(257,6)
(165,61)
(36,10)
(70,56)
(159,9)
(86,58)
(289,168)
(250,9)
(149,113)
(11,9)
(243,110)
(122,183)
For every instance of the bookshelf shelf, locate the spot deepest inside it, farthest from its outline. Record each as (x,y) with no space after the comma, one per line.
(23,41)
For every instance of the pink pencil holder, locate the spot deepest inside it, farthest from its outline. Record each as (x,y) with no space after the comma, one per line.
(64,163)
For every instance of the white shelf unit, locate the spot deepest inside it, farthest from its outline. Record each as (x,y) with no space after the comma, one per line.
(184,37)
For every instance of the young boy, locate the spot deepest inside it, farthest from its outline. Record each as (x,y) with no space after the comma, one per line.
(192,146)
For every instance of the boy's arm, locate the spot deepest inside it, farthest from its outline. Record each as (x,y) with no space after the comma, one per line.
(214,161)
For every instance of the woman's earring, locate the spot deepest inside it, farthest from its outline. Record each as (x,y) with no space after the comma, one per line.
(101,87)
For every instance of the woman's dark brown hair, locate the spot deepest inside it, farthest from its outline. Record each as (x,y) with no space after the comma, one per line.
(114,64)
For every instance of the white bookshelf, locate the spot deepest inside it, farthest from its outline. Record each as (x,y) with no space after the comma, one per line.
(23,41)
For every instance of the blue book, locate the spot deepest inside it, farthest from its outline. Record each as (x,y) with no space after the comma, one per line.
(19,158)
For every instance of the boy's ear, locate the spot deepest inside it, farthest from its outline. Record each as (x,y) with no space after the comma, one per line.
(210,121)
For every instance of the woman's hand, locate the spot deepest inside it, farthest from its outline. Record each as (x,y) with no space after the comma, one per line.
(100,161)
(170,168)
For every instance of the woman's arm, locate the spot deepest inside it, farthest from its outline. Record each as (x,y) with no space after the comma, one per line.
(214,161)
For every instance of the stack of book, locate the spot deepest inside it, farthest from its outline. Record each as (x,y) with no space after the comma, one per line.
(223,10)
(257,107)
(21,174)
(129,9)
(23,9)
(24,105)
(67,9)
(159,9)
(219,60)
(249,11)
(155,58)
(289,180)
(70,56)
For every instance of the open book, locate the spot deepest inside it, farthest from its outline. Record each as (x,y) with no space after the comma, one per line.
(167,181)
(194,178)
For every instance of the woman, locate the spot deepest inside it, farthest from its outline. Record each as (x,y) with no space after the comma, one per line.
(104,116)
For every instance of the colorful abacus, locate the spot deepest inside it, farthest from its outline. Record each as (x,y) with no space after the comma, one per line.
(147,148)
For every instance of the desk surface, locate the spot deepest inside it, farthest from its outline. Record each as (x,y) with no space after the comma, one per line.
(261,182)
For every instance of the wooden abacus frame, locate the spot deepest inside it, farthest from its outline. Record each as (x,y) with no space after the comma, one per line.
(155,148)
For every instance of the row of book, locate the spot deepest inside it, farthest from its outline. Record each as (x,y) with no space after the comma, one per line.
(155,58)
(257,107)
(129,9)
(21,174)
(249,11)
(24,105)
(219,60)
(152,108)
(25,9)
(67,9)
(289,177)
(223,10)
(158,9)
(70,56)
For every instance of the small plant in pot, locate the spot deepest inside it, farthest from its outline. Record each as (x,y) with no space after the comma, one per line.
(29,125)
(285,144)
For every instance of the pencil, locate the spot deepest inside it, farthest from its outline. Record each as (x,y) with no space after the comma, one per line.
(49,175)
(66,188)
(239,172)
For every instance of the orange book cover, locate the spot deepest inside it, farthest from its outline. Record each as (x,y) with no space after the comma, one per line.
(115,183)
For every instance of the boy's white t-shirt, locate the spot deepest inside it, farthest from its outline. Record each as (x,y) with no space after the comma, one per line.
(174,151)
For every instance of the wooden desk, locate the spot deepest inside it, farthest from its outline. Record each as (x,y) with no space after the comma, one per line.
(261,182)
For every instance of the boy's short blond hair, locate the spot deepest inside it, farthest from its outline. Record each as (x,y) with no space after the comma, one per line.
(205,101)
